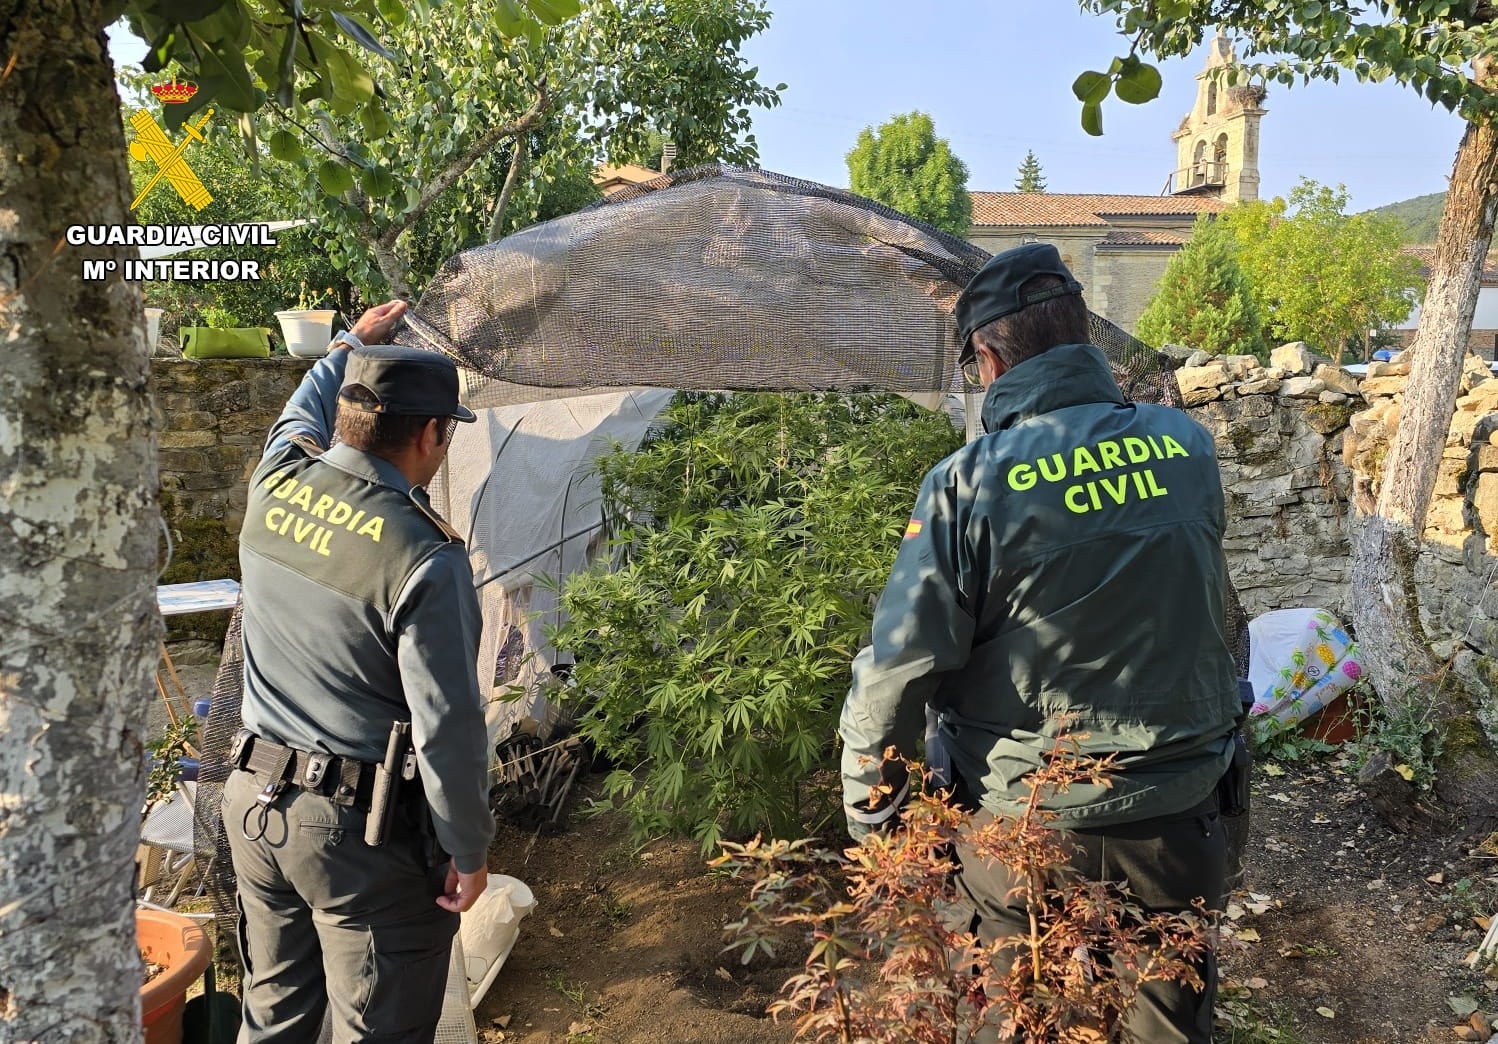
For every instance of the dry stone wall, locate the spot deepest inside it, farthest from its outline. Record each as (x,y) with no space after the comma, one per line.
(211,419)
(1301,441)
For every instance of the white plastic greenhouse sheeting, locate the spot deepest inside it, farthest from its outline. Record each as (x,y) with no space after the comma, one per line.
(519,487)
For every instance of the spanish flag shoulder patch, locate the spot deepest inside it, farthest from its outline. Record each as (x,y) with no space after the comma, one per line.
(914,528)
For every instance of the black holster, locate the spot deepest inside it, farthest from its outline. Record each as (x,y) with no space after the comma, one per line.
(1232,788)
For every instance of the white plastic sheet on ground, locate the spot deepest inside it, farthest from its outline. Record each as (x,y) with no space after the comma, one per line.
(1300,660)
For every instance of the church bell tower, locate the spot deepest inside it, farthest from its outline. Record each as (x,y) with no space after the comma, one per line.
(1217,143)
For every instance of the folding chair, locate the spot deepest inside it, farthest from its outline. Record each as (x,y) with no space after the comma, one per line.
(171,861)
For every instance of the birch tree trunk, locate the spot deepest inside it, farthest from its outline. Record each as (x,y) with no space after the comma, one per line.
(78,541)
(1386,544)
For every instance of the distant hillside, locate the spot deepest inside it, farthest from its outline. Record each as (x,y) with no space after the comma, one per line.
(1420,216)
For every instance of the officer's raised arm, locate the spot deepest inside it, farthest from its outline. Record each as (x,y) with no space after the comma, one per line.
(313,407)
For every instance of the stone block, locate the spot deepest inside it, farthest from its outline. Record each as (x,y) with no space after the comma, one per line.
(230,398)
(1198,358)
(1241,366)
(191,420)
(1482,399)
(1485,502)
(1337,379)
(1200,378)
(185,439)
(181,460)
(1259,386)
(1382,386)
(1297,358)
(1302,388)
(1487,458)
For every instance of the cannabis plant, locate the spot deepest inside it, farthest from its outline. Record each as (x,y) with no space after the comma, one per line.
(752,534)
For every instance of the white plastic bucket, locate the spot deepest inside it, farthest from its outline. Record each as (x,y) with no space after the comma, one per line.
(307,331)
(153,326)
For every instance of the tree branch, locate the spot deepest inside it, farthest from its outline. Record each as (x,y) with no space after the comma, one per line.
(456,169)
(517,161)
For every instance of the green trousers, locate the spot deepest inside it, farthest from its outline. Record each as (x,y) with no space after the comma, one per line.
(328,923)
(1166,862)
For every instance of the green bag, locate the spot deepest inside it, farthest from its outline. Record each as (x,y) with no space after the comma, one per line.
(207,342)
(212,1017)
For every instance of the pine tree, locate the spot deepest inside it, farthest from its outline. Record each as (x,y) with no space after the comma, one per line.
(1031,177)
(1205,300)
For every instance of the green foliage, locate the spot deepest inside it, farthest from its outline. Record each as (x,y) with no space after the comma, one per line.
(1419,218)
(1132,80)
(1272,738)
(174,742)
(1405,730)
(1320,275)
(240,195)
(1030,178)
(402,185)
(246,53)
(754,533)
(904,165)
(1204,300)
(1427,45)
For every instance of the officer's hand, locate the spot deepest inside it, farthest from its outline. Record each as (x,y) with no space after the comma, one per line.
(375,324)
(462,890)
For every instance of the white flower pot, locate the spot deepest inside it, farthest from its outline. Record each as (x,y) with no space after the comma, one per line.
(307,331)
(153,326)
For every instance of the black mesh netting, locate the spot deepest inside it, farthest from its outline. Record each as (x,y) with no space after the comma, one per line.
(711,278)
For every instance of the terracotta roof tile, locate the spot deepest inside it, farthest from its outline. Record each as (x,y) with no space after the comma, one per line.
(1142,237)
(1065,208)
(1426,252)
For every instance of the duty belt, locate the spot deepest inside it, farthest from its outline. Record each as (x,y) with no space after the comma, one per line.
(343,780)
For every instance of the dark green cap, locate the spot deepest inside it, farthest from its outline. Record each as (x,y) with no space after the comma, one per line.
(404,380)
(995,291)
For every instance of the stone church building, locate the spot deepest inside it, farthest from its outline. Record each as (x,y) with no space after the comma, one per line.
(1118,245)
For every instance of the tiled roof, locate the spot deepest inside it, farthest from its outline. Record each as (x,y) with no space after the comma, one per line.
(1426,252)
(1064,208)
(1142,237)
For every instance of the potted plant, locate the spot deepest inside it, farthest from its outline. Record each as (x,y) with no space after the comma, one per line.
(307,329)
(180,949)
(224,338)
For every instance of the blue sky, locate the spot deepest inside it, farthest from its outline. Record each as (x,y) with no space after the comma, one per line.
(996,75)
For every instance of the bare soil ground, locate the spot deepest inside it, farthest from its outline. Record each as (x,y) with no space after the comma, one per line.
(1347,933)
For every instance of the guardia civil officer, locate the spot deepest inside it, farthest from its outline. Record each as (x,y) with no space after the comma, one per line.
(1065,567)
(360,621)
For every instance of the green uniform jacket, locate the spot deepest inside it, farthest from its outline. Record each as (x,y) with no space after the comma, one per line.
(1067,566)
(359,610)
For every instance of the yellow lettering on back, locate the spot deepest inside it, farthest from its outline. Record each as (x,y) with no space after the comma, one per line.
(1109,451)
(320,509)
(276,476)
(303,498)
(1075,505)
(1137,449)
(1173,448)
(283,491)
(1082,461)
(340,515)
(1117,494)
(1059,466)
(271,519)
(303,528)
(1021,477)
(373,527)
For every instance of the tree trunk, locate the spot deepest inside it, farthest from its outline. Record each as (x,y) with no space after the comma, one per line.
(78,620)
(1385,598)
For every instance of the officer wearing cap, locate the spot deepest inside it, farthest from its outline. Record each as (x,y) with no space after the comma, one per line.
(1062,572)
(360,621)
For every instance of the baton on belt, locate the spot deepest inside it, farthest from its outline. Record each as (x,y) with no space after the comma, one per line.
(387,783)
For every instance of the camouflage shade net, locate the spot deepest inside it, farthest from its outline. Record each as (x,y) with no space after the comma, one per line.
(711,278)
